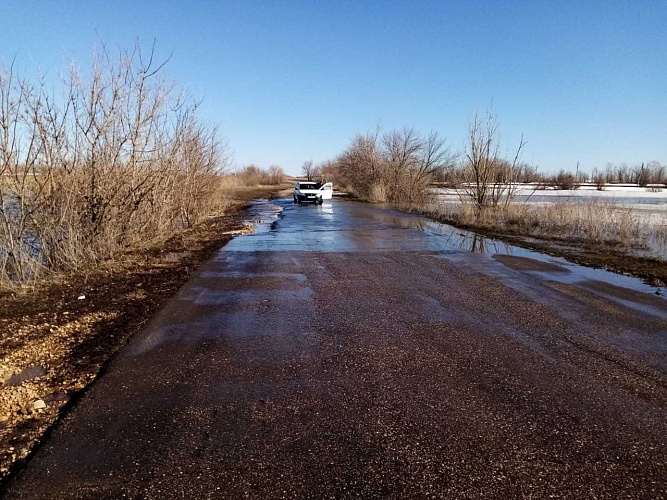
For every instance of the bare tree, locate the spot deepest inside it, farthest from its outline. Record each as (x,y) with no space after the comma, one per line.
(487,178)
(362,166)
(276,174)
(398,166)
(308,170)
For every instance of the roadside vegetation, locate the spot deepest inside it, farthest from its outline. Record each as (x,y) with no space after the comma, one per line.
(488,188)
(487,185)
(603,223)
(102,162)
(396,166)
(112,191)
(252,175)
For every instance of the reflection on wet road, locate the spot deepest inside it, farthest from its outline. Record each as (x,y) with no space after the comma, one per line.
(350,350)
(360,227)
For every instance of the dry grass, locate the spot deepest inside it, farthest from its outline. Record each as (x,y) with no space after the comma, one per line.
(604,222)
(121,161)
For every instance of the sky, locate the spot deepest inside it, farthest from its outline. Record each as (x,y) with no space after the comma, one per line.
(583,81)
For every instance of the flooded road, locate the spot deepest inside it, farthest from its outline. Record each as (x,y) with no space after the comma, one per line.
(349,350)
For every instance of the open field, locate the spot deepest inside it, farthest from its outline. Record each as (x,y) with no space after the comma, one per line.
(625,196)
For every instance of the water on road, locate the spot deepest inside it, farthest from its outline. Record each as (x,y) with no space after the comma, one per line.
(350,350)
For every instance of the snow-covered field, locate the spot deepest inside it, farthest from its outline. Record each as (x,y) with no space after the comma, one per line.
(621,195)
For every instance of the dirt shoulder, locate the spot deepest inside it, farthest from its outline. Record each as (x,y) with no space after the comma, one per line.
(55,341)
(585,253)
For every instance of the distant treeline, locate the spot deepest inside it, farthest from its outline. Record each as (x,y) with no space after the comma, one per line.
(399,166)
(644,174)
(252,175)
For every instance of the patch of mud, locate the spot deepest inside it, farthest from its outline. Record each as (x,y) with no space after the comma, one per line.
(526,264)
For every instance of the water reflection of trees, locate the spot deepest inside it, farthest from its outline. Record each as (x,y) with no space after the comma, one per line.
(477,243)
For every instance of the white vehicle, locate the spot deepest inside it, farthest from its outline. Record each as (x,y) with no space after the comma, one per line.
(312,192)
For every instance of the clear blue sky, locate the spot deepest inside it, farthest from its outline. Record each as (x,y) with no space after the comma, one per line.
(289,81)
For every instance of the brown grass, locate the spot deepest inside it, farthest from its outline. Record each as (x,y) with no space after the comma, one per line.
(121,161)
(603,222)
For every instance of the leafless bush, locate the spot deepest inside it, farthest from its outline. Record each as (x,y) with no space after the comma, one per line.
(252,175)
(397,167)
(599,179)
(565,181)
(276,175)
(118,159)
(487,179)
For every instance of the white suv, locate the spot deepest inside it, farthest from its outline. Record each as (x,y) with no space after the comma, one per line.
(312,192)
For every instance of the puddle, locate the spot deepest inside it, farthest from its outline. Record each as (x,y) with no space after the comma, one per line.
(247,275)
(525,264)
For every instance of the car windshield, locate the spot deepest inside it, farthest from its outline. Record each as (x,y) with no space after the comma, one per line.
(309,186)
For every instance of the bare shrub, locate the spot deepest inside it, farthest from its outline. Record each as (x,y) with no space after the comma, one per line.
(599,179)
(378,194)
(486,178)
(119,159)
(398,166)
(362,164)
(276,175)
(565,180)
(252,175)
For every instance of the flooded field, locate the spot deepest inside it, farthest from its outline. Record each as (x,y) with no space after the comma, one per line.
(632,218)
(621,195)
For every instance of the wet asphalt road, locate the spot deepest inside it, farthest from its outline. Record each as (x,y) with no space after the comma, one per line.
(348,350)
